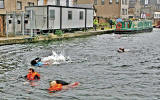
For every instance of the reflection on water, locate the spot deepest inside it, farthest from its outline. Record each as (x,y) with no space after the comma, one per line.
(104,73)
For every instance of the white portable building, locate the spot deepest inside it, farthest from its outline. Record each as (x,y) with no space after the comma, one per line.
(14,23)
(58,17)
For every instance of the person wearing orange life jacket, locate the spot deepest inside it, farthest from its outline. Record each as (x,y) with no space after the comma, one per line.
(58,85)
(32,75)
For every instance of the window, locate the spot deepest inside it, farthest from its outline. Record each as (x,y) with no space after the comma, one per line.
(123,12)
(58,2)
(67,2)
(28,13)
(1,3)
(126,12)
(123,2)
(52,14)
(158,1)
(19,5)
(18,22)
(30,4)
(117,1)
(142,2)
(146,2)
(75,1)
(102,2)
(95,2)
(69,15)
(110,1)
(81,15)
(155,15)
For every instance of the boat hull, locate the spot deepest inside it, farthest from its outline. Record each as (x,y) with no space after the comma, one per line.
(132,31)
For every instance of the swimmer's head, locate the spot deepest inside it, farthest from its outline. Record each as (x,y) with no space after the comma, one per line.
(31,70)
(121,49)
(33,62)
(52,83)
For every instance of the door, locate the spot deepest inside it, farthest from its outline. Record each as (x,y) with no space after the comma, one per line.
(51,18)
(1,26)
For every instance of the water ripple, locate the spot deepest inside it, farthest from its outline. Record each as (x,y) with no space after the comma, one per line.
(103,73)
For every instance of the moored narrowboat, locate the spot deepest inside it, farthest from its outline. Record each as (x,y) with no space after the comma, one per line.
(127,27)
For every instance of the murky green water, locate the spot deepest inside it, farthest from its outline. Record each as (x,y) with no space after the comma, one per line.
(103,73)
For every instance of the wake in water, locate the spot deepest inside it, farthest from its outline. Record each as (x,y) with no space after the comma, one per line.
(56,58)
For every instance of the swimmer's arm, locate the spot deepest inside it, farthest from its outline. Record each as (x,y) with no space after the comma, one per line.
(36,77)
(47,63)
(25,77)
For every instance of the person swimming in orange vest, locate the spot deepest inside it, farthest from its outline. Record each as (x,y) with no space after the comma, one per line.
(58,85)
(32,75)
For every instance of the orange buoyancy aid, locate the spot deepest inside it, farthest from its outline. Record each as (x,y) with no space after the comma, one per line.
(119,25)
(56,87)
(32,76)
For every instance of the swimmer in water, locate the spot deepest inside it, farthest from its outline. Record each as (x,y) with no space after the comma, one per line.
(120,50)
(32,75)
(37,62)
(58,85)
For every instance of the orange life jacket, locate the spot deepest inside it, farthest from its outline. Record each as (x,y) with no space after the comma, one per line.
(32,76)
(119,25)
(56,87)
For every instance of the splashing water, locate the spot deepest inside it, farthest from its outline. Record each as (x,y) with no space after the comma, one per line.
(55,58)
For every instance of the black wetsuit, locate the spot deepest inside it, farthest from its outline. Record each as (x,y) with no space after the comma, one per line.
(61,82)
(34,62)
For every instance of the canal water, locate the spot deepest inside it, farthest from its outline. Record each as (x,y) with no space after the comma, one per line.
(103,73)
